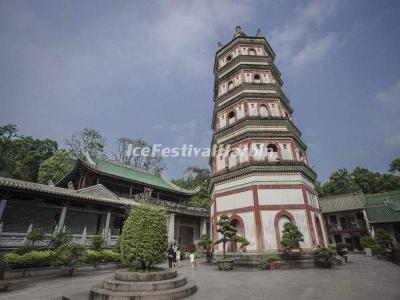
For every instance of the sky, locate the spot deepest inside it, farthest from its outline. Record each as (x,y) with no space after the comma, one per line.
(144,69)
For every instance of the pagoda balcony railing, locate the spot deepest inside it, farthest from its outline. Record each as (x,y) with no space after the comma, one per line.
(270,120)
(248,59)
(254,88)
(261,162)
(351,229)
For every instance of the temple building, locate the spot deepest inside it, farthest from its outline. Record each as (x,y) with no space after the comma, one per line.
(94,198)
(261,177)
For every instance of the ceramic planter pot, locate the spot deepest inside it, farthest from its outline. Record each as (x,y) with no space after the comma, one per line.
(225,264)
(272,265)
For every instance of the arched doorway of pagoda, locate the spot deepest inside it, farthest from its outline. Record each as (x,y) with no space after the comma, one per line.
(281,219)
(319,231)
(236,222)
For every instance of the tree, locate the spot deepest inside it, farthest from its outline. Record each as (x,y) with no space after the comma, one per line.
(196,177)
(383,238)
(144,236)
(21,156)
(340,182)
(395,166)
(129,153)
(206,244)
(86,140)
(55,167)
(36,235)
(291,236)
(228,234)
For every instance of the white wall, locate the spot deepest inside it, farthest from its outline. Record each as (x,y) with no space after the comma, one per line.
(233,201)
(268,226)
(280,196)
(249,229)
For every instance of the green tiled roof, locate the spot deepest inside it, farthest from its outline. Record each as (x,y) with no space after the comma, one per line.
(352,201)
(383,207)
(137,175)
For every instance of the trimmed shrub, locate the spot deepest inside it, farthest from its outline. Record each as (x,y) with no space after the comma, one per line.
(97,242)
(110,256)
(324,256)
(90,256)
(291,236)
(144,236)
(264,264)
(36,235)
(383,238)
(25,249)
(30,259)
(69,253)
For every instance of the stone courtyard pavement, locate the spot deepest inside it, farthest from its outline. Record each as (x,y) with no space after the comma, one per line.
(362,278)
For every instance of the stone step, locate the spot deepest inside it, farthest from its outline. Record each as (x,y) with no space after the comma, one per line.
(126,275)
(99,293)
(144,286)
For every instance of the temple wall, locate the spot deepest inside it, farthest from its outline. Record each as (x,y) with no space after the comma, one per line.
(280,196)
(234,201)
(268,226)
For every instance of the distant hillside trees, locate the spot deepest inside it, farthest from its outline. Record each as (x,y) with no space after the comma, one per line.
(196,177)
(56,167)
(21,156)
(341,181)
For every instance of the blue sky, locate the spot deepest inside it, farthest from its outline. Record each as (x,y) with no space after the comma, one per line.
(144,69)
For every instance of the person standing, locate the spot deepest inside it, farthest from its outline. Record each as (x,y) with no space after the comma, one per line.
(170,256)
(178,258)
(192,257)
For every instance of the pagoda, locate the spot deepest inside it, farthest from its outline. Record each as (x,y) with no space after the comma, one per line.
(261,178)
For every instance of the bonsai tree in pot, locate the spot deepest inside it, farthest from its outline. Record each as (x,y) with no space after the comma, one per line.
(206,244)
(228,234)
(383,239)
(144,238)
(68,254)
(269,262)
(291,236)
(324,256)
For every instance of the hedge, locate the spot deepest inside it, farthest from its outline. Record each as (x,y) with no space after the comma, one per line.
(35,259)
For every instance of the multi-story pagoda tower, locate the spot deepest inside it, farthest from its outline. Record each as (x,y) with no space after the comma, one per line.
(260,174)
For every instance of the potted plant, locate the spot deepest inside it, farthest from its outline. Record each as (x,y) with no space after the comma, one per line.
(206,244)
(324,256)
(342,249)
(271,260)
(228,234)
(384,240)
(68,254)
(291,236)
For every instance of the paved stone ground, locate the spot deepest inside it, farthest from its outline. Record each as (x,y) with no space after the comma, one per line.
(362,278)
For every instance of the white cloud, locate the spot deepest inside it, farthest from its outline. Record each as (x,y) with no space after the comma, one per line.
(390,97)
(315,50)
(289,40)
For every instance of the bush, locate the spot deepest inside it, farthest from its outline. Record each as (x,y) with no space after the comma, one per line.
(291,236)
(376,250)
(367,242)
(110,256)
(271,258)
(36,235)
(324,256)
(341,248)
(25,249)
(97,242)
(383,238)
(264,264)
(90,256)
(59,238)
(30,259)
(69,253)
(144,236)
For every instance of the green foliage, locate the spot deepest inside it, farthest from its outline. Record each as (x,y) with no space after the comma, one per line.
(86,140)
(196,177)
(325,252)
(36,235)
(183,249)
(291,236)
(97,242)
(21,156)
(341,182)
(144,236)
(69,253)
(30,259)
(25,249)
(229,233)
(341,248)
(205,242)
(395,166)
(59,238)
(376,250)
(367,242)
(91,256)
(55,167)
(271,258)
(383,238)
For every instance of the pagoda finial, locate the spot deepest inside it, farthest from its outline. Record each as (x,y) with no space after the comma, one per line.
(219,45)
(258,34)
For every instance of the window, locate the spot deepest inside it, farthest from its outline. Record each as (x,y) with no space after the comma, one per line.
(252,105)
(256,78)
(231,117)
(263,111)
(229,58)
(230,85)
(333,219)
(252,51)
(272,152)
(284,146)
